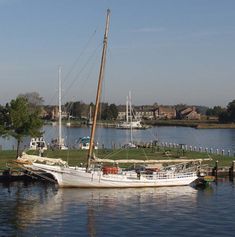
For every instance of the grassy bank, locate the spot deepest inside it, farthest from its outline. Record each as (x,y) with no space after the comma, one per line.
(190,123)
(75,157)
(216,126)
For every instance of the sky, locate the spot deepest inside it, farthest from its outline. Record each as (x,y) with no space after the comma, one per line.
(163,51)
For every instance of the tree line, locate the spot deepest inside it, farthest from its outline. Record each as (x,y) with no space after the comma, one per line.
(81,110)
(21,117)
(225,115)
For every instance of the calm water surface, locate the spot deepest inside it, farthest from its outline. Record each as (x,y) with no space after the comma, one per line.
(37,209)
(210,138)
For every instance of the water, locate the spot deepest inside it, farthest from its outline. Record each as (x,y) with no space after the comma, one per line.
(37,209)
(206,138)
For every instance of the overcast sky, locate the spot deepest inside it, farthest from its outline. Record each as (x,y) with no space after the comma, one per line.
(164,51)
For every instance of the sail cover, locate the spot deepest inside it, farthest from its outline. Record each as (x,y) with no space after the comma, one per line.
(25,158)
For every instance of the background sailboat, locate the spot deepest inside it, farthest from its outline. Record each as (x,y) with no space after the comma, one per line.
(131,121)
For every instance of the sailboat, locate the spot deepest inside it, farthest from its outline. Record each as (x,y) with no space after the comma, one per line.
(58,143)
(95,175)
(131,122)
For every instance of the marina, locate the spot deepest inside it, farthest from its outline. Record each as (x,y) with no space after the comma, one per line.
(76,159)
(92,175)
(167,137)
(215,140)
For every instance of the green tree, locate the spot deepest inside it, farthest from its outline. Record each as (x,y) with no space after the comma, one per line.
(78,109)
(228,116)
(109,112)
(231,111)
(105,112)
(4,119)
(19,120)
(215,111)
(113,110)
(33,99)
(224,117)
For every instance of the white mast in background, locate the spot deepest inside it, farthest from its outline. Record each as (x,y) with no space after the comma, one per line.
(127,112)
(130,116)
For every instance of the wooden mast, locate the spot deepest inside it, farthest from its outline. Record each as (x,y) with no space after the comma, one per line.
(101,76)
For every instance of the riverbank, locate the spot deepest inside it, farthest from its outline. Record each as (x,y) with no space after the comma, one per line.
(200,124)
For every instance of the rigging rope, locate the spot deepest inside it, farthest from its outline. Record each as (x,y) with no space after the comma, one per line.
(113,154)
(84,48)
(83,68)
(70,104)
(79,57)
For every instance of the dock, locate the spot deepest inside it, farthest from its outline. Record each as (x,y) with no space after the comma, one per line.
(9,175)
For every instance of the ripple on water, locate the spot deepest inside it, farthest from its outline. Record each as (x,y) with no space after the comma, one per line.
(176,211)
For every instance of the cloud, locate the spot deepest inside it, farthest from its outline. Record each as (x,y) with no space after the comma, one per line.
(148,30)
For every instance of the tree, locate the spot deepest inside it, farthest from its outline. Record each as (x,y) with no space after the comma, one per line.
(4,119)
(231,111)
(215,111)
(113,110)
(76,109)
(105,112)
(33,99)
(228,115)
(109,112)
(19,120)
(224,117)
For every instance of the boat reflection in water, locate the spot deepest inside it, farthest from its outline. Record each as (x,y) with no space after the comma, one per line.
(69,211)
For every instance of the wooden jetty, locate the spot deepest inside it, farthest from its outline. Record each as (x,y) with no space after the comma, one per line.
(219,172)
(9,175)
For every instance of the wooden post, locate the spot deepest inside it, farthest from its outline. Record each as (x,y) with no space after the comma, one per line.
(215,170)
(232,171)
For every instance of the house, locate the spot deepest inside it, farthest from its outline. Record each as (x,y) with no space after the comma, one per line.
(139,112)
(121,112)
(54,113)
(144,112)
(44,113)
(165,112)
(121,115)
(189,113)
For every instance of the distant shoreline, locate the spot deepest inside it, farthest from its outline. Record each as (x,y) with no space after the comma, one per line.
(200,124)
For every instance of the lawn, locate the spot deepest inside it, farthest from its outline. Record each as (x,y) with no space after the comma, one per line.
(76,157)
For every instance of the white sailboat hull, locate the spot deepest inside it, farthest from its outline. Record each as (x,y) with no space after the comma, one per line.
(78,177)
(130,125)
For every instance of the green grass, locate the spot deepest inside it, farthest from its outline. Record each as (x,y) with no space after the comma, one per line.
(75,157)
(190,123)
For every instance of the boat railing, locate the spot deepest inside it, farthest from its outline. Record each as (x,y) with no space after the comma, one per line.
(152,176)
(168,175)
